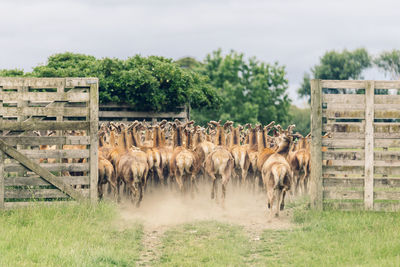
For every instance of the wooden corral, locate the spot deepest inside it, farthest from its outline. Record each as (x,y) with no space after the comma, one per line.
(123,112)
(36,166)
(359,167)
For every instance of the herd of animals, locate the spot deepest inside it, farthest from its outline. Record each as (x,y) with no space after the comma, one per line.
(182,155)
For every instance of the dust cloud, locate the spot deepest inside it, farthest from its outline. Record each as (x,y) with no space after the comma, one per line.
(163,207)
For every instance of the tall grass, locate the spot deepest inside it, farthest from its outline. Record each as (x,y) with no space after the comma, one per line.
(67,235)
(335,238)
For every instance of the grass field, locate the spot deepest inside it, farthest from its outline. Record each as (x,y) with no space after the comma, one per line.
(67,235)
(85,235)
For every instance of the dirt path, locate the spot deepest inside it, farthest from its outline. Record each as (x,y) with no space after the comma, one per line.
(161,210)
(151,247)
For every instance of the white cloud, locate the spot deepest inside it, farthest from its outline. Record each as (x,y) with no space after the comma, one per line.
(294,32)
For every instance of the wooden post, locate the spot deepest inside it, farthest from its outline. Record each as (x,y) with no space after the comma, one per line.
(1,179)
(60,90)
(187,108)
(1,163)
(94,139)
(316,145)
(369,146)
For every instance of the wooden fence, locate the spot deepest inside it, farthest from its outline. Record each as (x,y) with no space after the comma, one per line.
(359,166)
(123,112)
(68,170)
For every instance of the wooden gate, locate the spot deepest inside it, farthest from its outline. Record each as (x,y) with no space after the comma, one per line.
(359,166)
(48,140)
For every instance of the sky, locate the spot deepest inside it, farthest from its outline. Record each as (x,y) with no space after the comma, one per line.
(295,33)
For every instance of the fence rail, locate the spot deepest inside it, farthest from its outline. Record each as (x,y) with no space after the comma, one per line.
(123,112)
(359,166)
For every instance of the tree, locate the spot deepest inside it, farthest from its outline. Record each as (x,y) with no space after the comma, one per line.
(11,73)
(389,62)
(301,117)
(147,83)
(252,91)
(188,63)
(337,66)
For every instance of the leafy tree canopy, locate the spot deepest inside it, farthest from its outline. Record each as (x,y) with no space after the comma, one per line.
(337,66)
(389,62)
(148,83)
(252,91)
(11,73)
(301,117)
(188,63)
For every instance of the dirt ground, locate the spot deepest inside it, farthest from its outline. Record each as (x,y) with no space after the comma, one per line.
(163,208)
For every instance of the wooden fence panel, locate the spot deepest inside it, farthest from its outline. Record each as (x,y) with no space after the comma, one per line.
(123,112)
(62,166)
(360,164)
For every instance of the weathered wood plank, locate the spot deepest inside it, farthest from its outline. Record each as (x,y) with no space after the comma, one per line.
(33,193)
(359,127)
(345,162)
(343,182)
(14,82)
(336,135)
(343,143)
(139,114)
(386,206)
(2,182)
(387,170)
(377,163)
(343,114)
(14,205)
(369,147)
(46,82)
(348,84)
(316,153)
(343,99)
(12,193)
(43,111)
(386,107)
(359,114)
(52,167)
(56,181)
(344,127)
(389,195)
(339,106)
(343,155)
(387,99)
(347,206)
(387,182)
(43,125)
(387,155)
(343,194)
(45,140)
(94,140)
(343,170)
(45,96)
(80,82)
(387,84)
(55,154)
(37,181)
(392,143)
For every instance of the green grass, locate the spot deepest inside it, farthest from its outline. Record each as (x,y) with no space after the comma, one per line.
(335,238)
(205,244)
(67,235)
(87,235)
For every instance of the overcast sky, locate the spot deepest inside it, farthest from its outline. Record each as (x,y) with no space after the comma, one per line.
(293,32)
